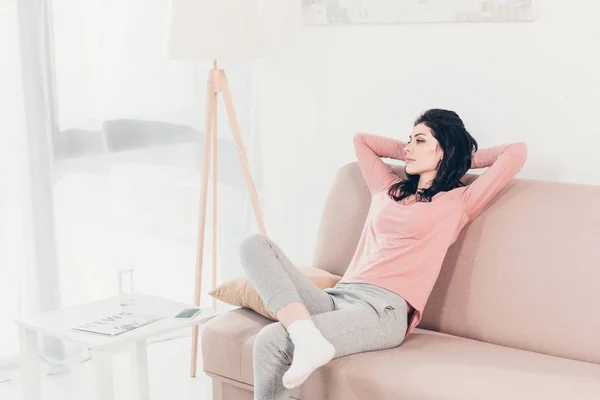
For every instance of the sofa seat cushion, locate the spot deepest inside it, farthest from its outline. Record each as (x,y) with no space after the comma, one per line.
(427,365)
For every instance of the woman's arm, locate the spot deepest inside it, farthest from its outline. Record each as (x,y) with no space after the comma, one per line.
(504,162)
(369,150)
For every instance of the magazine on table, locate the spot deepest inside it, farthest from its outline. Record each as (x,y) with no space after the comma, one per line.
(118,323)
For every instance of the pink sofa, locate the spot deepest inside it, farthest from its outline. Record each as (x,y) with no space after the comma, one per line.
(515,313)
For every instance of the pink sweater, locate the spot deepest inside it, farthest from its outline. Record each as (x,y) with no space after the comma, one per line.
(403,244)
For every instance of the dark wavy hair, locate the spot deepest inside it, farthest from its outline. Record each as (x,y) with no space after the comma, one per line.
(458,146)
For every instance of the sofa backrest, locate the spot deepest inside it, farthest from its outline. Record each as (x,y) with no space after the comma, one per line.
(524,274)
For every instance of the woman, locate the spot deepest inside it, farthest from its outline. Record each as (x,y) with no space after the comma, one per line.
(411,224)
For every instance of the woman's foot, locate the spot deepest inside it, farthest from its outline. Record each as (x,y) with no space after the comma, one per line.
(311,351)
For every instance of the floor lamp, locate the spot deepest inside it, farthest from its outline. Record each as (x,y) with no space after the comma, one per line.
(215,30)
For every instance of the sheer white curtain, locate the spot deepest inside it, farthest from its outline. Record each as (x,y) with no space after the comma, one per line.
(101,159)
(12,131)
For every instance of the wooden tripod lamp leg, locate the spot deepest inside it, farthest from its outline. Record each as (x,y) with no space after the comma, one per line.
(208,136)
(237,136)
(214,198)
(217,82)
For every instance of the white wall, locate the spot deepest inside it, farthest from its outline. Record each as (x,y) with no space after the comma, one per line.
(535,82)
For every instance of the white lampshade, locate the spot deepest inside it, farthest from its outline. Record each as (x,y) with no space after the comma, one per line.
(216,29)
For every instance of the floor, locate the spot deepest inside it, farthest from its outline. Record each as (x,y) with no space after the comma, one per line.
(169,377)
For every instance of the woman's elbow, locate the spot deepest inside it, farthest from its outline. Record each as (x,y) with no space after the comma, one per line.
(521,152)
(358,136)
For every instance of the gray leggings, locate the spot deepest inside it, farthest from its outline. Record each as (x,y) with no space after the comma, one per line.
(353,317)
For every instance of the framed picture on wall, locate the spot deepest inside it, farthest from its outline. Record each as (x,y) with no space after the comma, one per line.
(350,12)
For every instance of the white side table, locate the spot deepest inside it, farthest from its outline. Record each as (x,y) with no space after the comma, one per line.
(59,324)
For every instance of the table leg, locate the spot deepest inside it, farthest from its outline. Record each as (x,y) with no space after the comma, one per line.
(101,361)
(139,369)
(30,362)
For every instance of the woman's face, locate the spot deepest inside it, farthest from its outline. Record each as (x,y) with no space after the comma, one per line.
(423,152)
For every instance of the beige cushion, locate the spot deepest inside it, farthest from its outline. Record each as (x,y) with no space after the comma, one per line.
(240,291)
(427,365)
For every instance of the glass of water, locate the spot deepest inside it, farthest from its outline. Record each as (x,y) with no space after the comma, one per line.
(126,294)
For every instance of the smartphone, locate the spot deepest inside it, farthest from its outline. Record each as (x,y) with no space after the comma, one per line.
(188,313)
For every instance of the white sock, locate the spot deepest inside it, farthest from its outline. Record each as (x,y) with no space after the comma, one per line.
(311,351)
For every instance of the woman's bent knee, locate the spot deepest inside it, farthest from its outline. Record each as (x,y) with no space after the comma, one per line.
(273,339)
(254,242)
